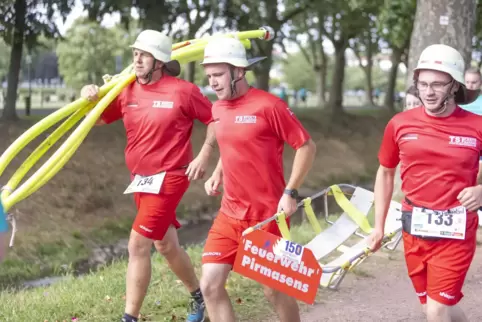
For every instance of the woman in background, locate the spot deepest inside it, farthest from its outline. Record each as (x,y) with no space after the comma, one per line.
(411,98)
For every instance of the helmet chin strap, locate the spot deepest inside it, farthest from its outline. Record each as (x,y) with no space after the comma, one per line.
(443,106)
(149,74)
(233,81)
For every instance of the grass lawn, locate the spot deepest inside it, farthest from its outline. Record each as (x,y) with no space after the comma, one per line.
(100,296)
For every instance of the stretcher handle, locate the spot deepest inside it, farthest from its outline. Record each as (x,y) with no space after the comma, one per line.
(301,203)
(364,252)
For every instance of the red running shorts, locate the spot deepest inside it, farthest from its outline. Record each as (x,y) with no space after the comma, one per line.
(155,213)
(225,235)
(438,268)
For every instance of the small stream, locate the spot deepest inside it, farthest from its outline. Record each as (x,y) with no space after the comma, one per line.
(192,233)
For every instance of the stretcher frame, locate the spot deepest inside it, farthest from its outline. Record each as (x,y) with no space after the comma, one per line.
(353,222)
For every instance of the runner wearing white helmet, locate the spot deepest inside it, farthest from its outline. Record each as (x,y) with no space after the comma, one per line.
(160,47)
(158,112)
(252,127)
(438,148)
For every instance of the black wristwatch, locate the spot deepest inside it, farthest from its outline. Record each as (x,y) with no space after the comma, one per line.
(293,193)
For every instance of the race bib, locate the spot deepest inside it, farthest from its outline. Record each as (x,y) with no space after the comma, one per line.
(443,224)
(288,249)
(146,184)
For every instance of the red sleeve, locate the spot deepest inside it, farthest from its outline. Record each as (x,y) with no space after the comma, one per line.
(389,153)
(287,126)
(199,106)
(113,112)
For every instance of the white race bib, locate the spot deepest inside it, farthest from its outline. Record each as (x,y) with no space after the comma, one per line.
(435,223)
(289,249)
(146,184)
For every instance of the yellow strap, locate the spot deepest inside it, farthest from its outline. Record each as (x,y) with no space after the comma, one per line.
(283,226)
(311,215)
(356,215)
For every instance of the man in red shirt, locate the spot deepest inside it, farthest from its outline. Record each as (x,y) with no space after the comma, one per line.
(438,147)
(252,127)
(158,111)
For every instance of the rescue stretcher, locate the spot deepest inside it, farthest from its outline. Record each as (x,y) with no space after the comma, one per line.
(341,246)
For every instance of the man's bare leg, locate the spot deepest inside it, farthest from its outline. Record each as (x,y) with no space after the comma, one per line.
(213,281)
(438,312)
(177,259)
(181,265)
(285,306)
(138,272)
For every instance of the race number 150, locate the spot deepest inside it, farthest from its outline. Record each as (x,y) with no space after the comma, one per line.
(293,248)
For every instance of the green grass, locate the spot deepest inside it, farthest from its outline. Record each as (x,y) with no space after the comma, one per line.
(100,296)
(60,256)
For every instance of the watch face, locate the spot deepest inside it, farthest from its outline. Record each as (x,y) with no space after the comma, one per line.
(292,193)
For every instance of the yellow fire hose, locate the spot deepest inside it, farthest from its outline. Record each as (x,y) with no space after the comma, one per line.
(11,194)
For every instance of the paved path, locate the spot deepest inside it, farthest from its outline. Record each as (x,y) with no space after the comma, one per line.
(383,292)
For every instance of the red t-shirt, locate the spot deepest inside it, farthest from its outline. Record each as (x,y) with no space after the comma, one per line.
(251,132)
(439,156)
(158,119)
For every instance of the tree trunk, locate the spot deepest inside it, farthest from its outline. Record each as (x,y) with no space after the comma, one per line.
(322,71)
(321,84)
(9,112)
(369,85)
(392,79)
(190,74)
(336,91)
(321,91)
(368,70)
(262,79)
(428,30)
(263,68)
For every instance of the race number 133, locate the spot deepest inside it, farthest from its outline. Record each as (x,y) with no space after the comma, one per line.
(435,223)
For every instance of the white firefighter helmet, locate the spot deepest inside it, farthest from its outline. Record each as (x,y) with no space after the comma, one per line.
(159,46)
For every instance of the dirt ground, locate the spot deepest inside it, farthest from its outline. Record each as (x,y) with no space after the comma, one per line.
(382,291)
